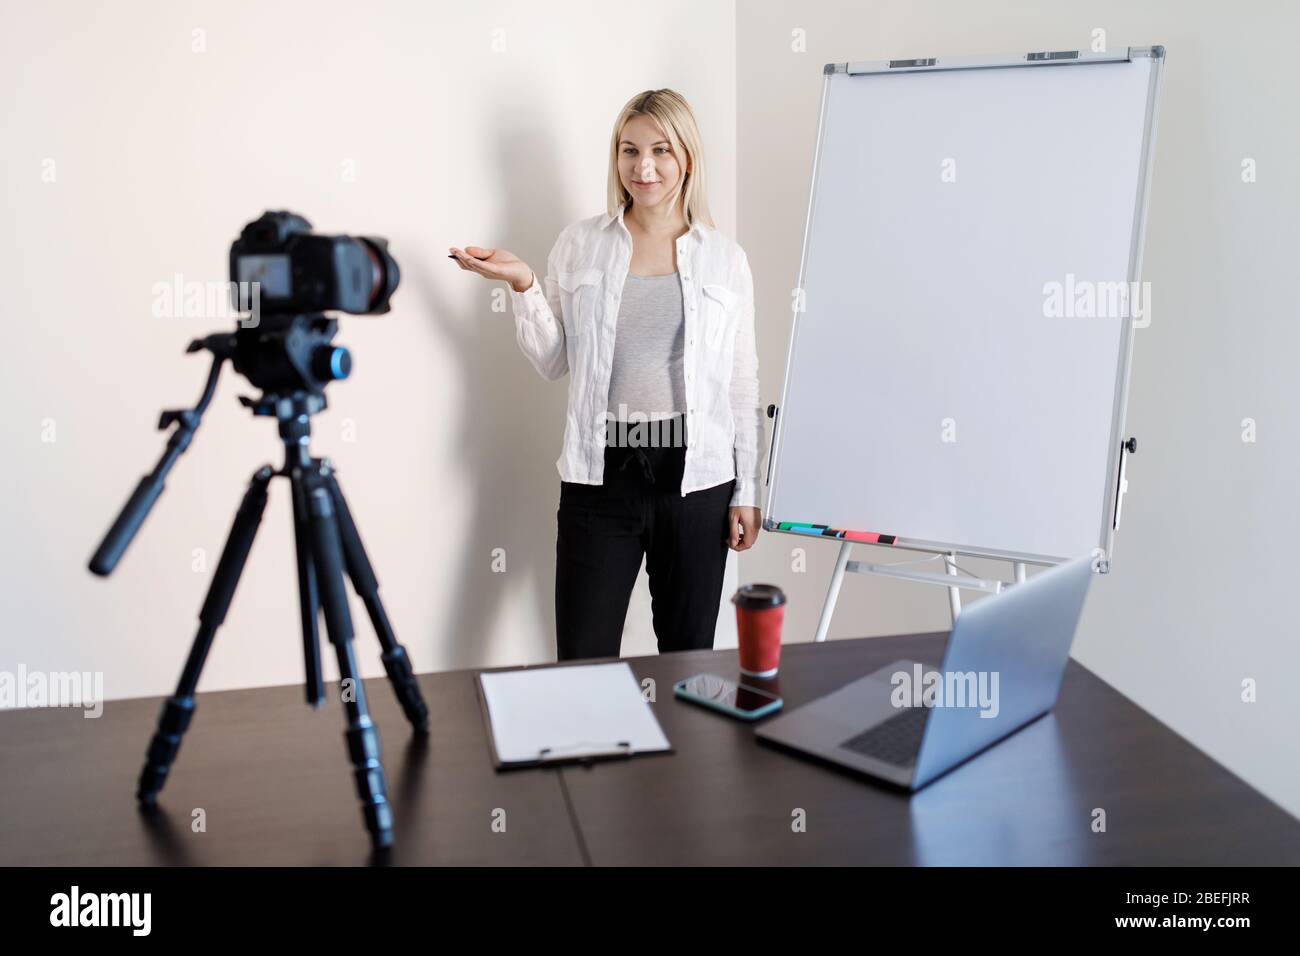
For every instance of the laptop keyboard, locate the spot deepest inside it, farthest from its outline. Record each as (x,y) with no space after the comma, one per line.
(896,740)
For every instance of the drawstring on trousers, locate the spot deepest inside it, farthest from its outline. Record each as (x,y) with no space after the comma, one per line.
(646,469)
(669,455)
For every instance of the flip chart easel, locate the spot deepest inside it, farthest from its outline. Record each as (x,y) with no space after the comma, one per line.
(948,196)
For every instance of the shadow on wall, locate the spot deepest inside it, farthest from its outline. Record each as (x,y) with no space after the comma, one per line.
(512,420)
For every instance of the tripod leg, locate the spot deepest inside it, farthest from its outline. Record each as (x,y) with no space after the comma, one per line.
(396,661)
(179,708)
(308,592)
(361,736)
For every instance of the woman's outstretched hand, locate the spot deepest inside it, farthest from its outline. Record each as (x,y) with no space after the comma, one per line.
(743,525)
(495,264)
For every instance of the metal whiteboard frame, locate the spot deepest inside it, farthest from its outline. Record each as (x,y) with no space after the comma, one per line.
(1115,485)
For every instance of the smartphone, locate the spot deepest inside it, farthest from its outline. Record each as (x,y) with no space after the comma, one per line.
(735,700)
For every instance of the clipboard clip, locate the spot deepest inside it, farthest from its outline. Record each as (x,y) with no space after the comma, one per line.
(620,748)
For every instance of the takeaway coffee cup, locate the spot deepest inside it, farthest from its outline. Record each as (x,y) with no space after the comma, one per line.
(760,610)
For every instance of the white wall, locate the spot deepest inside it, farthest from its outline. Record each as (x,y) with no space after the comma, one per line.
(1198,600)
(456,134)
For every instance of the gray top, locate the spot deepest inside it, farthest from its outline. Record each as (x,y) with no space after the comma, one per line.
(646,374)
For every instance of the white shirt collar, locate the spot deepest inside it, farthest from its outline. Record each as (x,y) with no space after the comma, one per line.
(697,228)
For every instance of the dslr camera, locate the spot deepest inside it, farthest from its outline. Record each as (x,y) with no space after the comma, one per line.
(298,276)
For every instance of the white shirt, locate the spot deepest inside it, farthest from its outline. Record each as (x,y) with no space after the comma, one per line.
(570,329)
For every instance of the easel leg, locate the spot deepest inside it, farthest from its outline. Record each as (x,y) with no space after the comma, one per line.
(954,593)
(833,592)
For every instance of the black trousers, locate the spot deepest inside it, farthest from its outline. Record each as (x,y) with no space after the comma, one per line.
(605,530)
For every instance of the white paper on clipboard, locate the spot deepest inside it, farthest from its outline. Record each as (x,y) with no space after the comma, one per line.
(561,713)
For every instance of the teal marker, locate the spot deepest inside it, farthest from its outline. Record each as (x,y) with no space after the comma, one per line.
(818,530)
(800,526)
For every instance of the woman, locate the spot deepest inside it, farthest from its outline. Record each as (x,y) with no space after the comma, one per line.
(651,312)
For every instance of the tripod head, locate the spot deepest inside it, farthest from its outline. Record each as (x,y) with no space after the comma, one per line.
(290,357)
(274,357)
(283,354)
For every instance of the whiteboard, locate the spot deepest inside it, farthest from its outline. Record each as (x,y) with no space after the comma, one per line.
(932,390)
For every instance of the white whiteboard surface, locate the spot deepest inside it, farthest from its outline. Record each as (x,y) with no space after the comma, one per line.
(924,307)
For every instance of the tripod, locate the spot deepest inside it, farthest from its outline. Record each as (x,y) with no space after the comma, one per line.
(327,545)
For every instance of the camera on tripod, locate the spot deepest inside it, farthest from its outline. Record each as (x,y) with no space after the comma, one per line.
(289,354)
(298,275)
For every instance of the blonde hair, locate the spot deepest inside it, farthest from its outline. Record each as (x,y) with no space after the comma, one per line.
(673,114)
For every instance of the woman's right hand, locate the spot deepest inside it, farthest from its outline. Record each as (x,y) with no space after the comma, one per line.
(495,264)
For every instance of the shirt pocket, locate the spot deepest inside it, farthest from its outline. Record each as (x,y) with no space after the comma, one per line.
(720,303)
(579,293)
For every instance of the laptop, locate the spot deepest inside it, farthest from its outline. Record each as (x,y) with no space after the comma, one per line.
(908,724)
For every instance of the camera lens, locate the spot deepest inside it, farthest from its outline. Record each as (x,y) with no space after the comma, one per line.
(384,274)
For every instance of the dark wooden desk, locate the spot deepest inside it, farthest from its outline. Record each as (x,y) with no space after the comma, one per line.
(272,778)
(1028,801)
